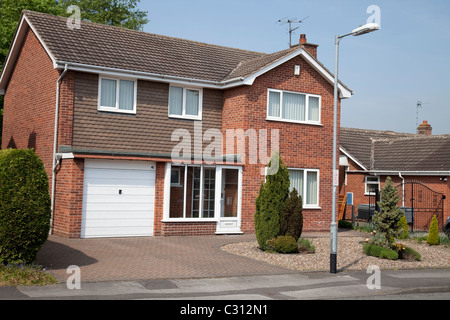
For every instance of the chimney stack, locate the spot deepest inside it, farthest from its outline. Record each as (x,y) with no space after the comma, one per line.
(308,47)
(425,128)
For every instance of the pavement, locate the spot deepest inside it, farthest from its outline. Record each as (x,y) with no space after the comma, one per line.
(195,268)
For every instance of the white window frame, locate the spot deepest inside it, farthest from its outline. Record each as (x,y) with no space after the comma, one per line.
(307,96)
(178,183)
(116,108)
(305,175)
(366,182)
(183,109)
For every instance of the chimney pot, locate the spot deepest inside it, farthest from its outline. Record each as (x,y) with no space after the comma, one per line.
(309,47)
(425,128)
(302,38)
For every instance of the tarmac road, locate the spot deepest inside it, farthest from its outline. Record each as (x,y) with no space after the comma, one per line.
(354,285)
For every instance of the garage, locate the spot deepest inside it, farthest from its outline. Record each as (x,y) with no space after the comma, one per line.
(118,198)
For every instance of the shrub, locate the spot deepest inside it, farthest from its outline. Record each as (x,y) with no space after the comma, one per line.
(380,252)
(304,245)
(345,224)
(282,244)
(291,218)
(24,206)
(270,202)
(433,234)
(403,224)
(387,219)
(411,254)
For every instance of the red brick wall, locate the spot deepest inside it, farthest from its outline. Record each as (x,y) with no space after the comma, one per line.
(69,198)
(29,102)
(356,185)
(301,145)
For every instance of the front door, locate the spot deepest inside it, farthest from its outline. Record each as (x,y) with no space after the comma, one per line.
(228,190)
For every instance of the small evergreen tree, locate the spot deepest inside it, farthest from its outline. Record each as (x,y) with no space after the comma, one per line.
(291,219)
(270,202)
(433,232)
(387,220)
(403,223)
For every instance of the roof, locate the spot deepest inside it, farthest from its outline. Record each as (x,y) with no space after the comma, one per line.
(377,150)
(106,49)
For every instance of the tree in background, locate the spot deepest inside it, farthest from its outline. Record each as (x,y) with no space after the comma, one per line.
(120,13)
(387,220)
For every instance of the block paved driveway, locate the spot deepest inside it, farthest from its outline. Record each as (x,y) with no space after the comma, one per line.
(118,259)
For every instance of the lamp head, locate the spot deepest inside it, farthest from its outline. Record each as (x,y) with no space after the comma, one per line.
(370,27)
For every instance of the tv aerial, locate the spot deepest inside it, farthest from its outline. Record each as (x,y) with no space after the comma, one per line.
(291,29)
(418,105)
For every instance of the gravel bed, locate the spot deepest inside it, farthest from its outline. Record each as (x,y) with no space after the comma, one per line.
(350,255)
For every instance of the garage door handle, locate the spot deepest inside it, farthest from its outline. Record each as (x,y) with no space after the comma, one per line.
(120,191)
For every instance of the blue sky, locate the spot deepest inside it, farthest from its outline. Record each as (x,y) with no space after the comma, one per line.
(389,70)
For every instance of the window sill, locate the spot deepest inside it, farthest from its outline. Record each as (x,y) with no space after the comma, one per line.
(104,109)
(295,121)
(312,208)
(185,117)
(190,220)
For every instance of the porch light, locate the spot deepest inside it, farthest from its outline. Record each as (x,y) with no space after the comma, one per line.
(367,28)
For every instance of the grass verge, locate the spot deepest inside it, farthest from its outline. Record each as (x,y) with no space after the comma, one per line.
(25,275)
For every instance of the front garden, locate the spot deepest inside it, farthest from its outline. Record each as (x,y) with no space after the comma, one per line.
(385,242)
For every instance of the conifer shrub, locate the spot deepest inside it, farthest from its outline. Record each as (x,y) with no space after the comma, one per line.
(282,244)
(403,224)
(433,233)
(270,202)
(291,219)
(24,206)
(387,219)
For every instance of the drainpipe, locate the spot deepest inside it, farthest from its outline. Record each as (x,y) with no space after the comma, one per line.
(56,160)
(403,188)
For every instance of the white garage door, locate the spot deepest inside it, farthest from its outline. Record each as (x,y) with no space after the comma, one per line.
(118,199)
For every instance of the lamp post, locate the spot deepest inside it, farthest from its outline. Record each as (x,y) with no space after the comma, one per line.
(370,27)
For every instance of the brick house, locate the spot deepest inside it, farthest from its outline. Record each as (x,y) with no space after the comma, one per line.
(141,134)
(418,164)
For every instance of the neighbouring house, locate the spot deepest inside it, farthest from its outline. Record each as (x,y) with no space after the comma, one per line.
(149,135)
(418,164)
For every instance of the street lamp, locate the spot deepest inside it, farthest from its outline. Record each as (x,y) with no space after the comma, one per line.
(370,27)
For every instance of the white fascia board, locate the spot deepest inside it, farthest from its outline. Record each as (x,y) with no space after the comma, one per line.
(15,50)
(353,158)
(250,79)
(344,92)
(13,53)
(49,53)
(147,76)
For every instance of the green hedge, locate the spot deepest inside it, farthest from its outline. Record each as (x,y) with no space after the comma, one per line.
(24,206)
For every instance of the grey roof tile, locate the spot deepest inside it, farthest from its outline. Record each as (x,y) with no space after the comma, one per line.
(388,150)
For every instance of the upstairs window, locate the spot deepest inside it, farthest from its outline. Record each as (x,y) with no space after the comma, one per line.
(293,107)
(185,103)
(117,95)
